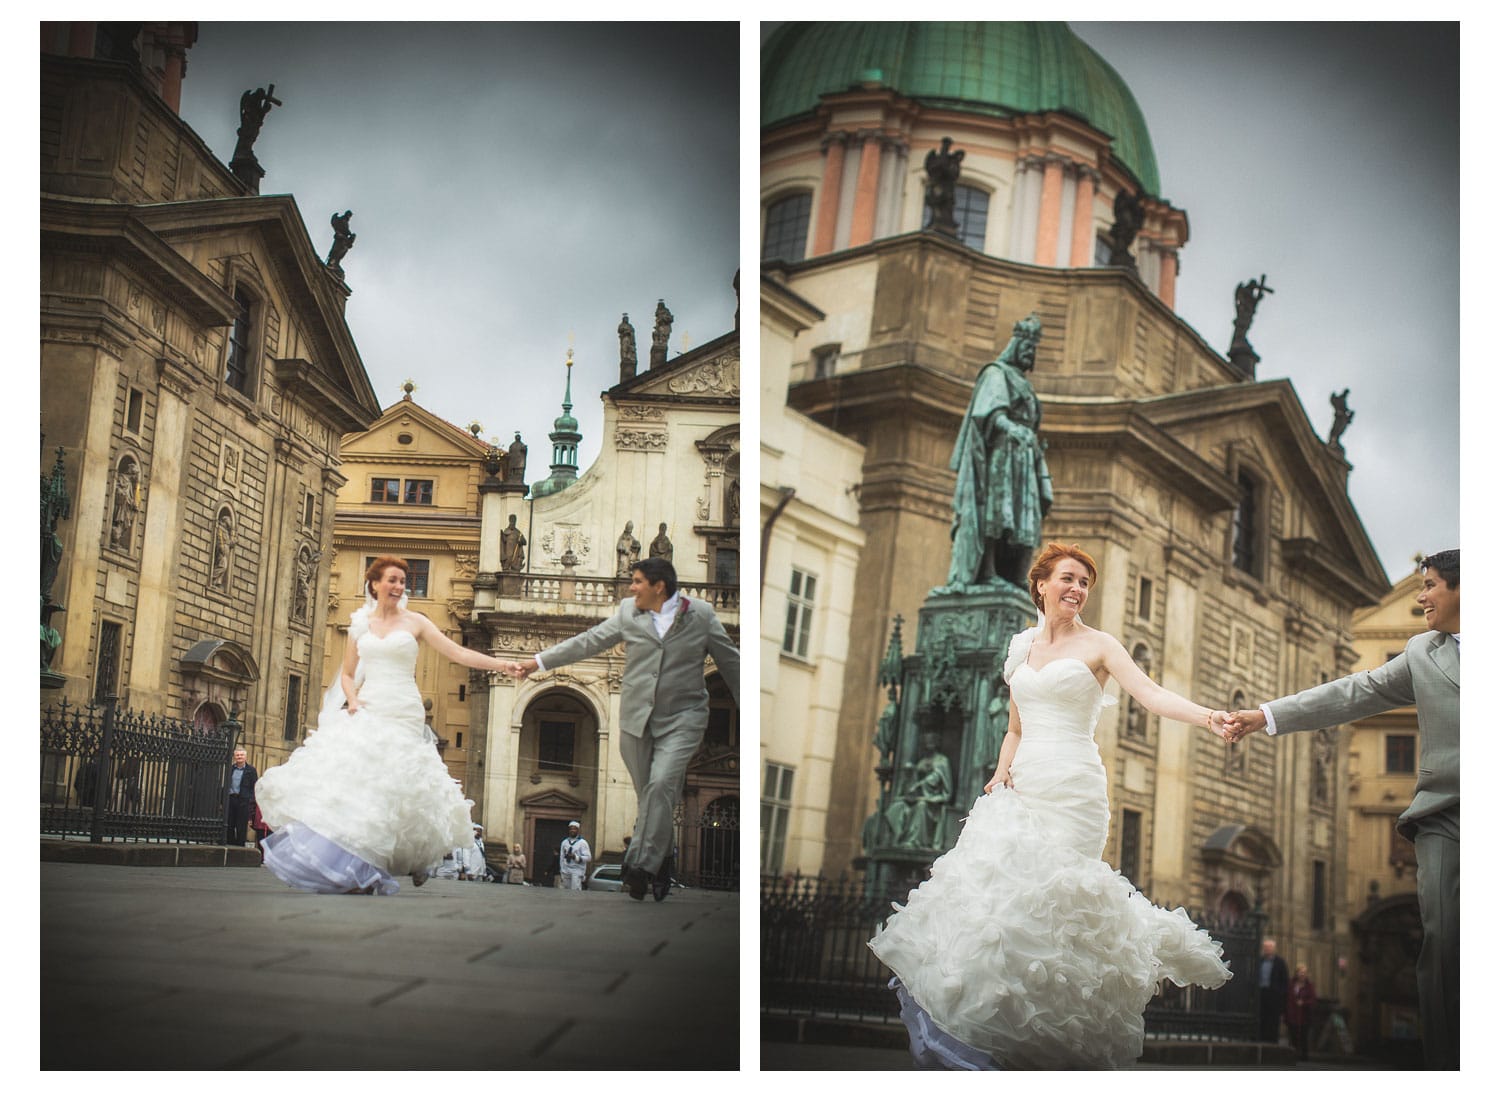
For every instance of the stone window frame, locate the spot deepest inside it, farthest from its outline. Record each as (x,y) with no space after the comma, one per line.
(775,802)
(824,359)
(800,615)
(242,281)
(1243,467)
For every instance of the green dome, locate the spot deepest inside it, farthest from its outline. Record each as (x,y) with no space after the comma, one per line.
(989,68)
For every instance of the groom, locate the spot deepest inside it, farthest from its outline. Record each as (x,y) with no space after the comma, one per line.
(662,704)
(1427,674)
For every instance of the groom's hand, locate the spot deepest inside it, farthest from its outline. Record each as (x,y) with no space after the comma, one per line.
(1241,723)
(521,669)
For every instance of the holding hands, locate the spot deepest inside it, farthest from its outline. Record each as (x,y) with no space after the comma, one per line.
(520,669)
(1240,723)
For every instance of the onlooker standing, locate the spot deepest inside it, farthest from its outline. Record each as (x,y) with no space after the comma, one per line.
(515,871)
(1274,981)
(575,858)
(1299,1001)
(242,777)
(471,859)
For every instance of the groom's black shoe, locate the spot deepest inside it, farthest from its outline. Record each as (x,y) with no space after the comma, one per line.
(637,882)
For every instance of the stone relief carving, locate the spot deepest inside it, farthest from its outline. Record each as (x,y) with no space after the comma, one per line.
(631,439)
(719,375)
(641,412)
(467,567)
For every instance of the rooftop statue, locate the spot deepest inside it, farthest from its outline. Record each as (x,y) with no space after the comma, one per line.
(942,170)
(343,240)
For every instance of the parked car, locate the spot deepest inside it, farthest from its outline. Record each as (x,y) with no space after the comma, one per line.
(606,876)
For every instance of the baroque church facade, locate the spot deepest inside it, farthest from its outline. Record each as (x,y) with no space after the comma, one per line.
(198,375)
(1232,560)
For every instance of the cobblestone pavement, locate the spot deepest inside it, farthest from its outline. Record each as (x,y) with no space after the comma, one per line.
(225,967)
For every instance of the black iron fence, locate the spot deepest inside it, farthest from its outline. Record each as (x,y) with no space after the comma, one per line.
(815,962)
(109,774)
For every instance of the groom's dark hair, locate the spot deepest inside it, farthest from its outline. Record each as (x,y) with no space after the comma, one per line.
(1448,563)
(657,569)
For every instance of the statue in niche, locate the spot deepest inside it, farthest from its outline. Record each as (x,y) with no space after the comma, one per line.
(660,336)
(515,462)
(731,504)
(915,818)
(253,107)
(512,548)
(1128,218)
(301,599)
(125,507)
(627,549)
(343,240)
(1341,417)
(942,170)
(628,360)
(660,546)
(223,552)
(1003,486)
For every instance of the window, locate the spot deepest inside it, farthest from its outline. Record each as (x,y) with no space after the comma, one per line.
(1146,597)
(133,407)
(824,360)
(556,745)
(726,566)
(786,223)
(971,212)
(1129,847)
(458,739)
(309,509)
(1245,527)
(462,692)
(1318,895)
(798,609)
(293,708)
(107,667)
(418,492)
(774,817)
(384,491)
(1399,754)
(1101,251)
(237,368)
(417,574)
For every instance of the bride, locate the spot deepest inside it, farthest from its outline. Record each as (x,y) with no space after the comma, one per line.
(367,796)
(1024,950)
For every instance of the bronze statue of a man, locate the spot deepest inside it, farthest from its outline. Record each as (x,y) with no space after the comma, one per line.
(1003,487)
(343,240)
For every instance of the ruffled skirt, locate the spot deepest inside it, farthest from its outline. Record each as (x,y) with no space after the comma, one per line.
(1034,952)
(364,799)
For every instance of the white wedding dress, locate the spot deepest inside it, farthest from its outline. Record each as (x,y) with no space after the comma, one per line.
(366,797)
(1024,950)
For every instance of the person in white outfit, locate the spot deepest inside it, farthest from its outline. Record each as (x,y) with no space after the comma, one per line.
(575,858)
(471,859)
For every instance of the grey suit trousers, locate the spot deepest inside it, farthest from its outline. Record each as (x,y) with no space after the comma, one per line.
(658,767)
(1437,971)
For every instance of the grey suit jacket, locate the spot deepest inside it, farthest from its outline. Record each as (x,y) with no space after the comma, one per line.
(1428,674)
(664,687)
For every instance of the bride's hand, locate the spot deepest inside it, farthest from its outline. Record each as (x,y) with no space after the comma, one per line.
(1001,778)
(354,704)
(1217,722)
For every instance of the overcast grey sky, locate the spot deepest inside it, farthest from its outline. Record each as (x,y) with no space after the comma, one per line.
(510,183)
(1325,155)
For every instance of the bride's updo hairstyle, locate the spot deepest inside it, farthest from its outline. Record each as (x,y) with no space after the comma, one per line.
(377,569)
(1045,565)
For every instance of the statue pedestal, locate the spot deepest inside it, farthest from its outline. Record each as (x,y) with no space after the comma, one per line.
(1243,356)
(952,714)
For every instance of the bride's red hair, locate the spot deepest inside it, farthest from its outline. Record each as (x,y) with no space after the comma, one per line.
(377,569)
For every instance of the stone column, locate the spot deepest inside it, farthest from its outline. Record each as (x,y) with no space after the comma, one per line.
(866,191)
(1173,778)
(832,189)
(501,758)
(157,603)
(1169,262)
(1081,229)
(1049,227)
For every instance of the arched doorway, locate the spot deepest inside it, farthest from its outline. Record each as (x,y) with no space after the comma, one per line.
(707,819)
(1389,935)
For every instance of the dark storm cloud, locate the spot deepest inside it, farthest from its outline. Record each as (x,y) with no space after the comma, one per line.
(510,183)
(1327,156)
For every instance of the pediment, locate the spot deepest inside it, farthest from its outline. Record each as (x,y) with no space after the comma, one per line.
(553,802)
(296,273)
(709,374)
(433,436)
